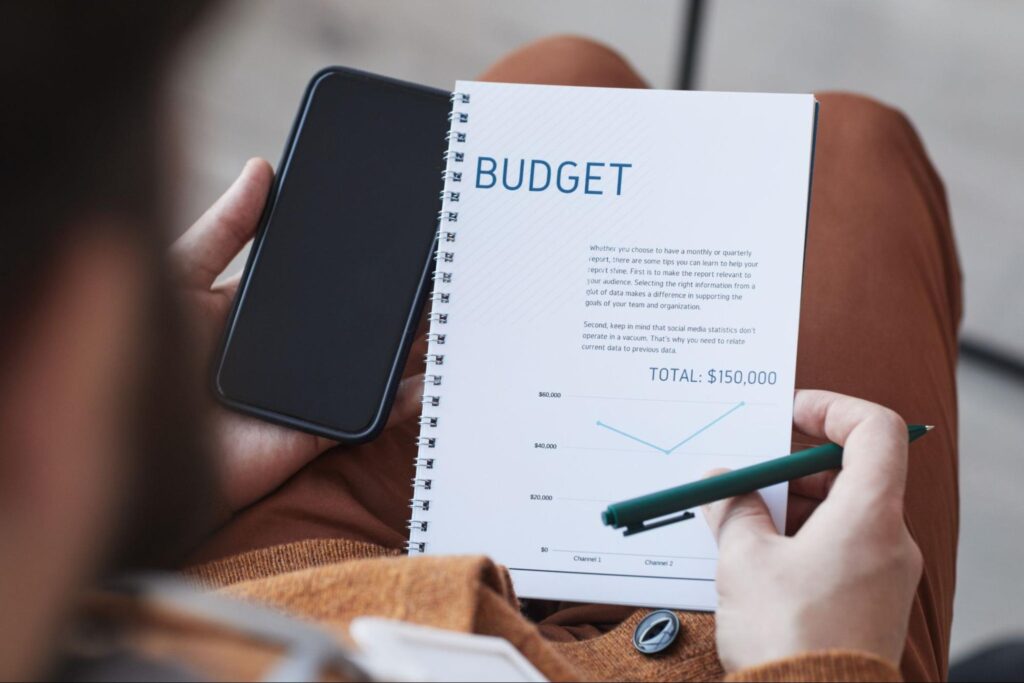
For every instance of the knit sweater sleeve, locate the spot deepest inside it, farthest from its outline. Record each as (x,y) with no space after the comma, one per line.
(830,665)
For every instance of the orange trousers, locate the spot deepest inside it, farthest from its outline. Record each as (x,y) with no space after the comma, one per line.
(879,320)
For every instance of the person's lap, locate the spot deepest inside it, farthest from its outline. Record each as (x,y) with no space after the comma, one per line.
(880,310)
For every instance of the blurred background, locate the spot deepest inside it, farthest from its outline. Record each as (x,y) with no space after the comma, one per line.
(956,67)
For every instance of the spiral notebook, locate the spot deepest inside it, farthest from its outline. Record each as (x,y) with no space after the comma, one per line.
(615,311)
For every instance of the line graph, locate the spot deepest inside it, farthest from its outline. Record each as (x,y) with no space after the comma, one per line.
(669,451)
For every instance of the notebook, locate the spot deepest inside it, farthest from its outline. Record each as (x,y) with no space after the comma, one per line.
(614,312)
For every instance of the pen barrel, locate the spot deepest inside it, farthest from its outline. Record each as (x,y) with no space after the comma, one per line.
(697,493)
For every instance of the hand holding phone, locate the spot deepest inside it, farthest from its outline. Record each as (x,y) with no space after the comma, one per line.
(331,297)
(254,457)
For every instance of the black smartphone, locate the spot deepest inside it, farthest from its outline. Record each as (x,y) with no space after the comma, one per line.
(341,265)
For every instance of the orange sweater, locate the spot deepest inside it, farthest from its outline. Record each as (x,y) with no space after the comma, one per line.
(333,581)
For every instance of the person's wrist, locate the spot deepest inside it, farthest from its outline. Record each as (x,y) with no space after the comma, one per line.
(844,665)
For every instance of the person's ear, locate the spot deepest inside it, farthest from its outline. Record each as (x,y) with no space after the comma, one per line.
(68,371)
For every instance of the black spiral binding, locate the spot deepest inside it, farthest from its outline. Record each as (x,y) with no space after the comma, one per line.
(448,218)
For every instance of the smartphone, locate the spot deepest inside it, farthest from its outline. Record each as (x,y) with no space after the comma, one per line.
(340,268)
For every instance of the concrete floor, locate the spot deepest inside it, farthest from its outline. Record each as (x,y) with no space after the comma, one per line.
(954,67)
(989,601)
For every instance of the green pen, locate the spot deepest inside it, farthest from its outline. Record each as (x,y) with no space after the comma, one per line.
(646,512)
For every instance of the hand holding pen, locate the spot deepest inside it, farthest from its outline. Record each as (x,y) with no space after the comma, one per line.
(846,579)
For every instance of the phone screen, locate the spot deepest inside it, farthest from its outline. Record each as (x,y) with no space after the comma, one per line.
(336,276)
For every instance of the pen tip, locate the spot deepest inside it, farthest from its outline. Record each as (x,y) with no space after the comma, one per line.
(929,428)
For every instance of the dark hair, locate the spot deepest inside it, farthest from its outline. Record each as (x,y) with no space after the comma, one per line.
(81,139)
(79,133)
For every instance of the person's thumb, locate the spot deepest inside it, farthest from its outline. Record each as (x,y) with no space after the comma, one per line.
(206,249)
(733,519)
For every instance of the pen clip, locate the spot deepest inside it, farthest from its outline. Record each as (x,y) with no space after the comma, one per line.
(647,526)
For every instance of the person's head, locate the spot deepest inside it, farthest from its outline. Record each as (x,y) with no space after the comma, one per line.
(94,433)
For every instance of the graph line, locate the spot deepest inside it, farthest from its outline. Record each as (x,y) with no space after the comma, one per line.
(669,451)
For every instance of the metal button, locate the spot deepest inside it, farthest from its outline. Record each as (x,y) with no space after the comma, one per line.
(656,632)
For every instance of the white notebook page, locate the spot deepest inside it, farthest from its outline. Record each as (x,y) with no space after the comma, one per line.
(621,316)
